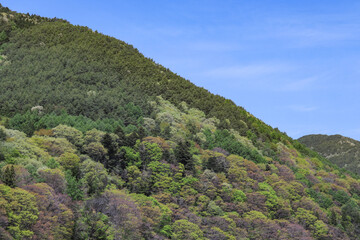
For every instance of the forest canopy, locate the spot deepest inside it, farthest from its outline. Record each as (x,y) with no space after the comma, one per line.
(99,142)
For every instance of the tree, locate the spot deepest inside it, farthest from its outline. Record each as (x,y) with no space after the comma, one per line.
(70,161)
(22,176)
(124,157)
(138,182)
(21,210)
(93,225)
(141,132)
(351,209)
(149,152)
(111,146)
(217,163)
(71,134)
(55,178)
(120,133)
(56,219)
(185,230)
(52,163)
(131,139)
(3,37)
(8,175)
(333,217)
(94,176)
(73,186)
(318,228)
(96,151)
(93,135)
(238,196)
(122,211)
(26,122)
(183,155)
(2,135)
(213,209)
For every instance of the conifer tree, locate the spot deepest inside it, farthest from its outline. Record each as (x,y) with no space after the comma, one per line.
(2,135)
(183,155)
(9,176)
(108,143)
(122,138)
(141,133)
(131,139)
(333,219)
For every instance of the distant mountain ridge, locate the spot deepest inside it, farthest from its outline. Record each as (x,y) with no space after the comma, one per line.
(343,151)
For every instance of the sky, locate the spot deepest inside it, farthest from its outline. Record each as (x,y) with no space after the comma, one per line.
(293,64)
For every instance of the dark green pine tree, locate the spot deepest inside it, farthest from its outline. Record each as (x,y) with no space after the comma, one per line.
(157,130)
(109,144)
(166,133)
(2,157)
(2,135)
(131,139)
(122,138)
(333,218)
(119,162)
(9,176)
(141,132)
(183,155)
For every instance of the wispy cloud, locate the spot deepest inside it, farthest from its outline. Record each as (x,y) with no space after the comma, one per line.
(249,71)
(298,85)
(165,31)
(209,46)
(310,30)
(302,108)
(306,36)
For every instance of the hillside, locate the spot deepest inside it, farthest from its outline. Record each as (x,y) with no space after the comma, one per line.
(340,150)
(99,142)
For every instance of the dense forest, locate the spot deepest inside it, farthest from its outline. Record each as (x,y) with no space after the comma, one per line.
(99,142)
(340,150)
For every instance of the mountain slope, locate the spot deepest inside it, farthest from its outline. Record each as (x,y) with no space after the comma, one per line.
(343,151)
(99,142)
(82,67)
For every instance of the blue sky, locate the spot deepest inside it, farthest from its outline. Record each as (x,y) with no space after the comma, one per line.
(293,64)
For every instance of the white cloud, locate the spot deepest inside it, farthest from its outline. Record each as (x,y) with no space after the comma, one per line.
(302,108)
(298,85)
(309,30)
(209,46)
(303,36)
(249,71)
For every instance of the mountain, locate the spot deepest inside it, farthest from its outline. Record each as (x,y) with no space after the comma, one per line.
(99,142)
(340,150)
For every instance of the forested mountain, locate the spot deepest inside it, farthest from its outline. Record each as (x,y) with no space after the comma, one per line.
(343,151)
(99,142)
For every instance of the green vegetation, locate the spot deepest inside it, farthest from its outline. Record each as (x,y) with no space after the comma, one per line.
(105,144)
(340,150)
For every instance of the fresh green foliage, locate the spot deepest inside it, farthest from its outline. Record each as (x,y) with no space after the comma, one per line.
(106,144)
(74,186)
(94,176)
(223,139)
(184,229)
(19,206)
(30,121)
